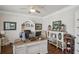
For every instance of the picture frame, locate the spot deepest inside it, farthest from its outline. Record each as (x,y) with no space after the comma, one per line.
(56,25)
(38,26)
(9,25)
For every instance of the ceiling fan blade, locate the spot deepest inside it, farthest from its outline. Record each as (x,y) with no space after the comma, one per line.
(37,11)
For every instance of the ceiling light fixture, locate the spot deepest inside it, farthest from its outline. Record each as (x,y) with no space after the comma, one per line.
(32,10)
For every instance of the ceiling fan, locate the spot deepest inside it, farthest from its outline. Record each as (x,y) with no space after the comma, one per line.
(34,8)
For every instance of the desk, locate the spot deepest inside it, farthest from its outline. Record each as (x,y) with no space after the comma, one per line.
(30,47)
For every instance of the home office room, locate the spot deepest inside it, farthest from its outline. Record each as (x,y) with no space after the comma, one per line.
(39,29)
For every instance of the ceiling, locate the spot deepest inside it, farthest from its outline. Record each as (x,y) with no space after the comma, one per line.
(44,9)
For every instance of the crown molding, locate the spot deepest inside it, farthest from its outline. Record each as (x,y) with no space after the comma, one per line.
(19,14)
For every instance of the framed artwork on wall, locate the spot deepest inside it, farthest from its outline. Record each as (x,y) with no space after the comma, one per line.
(56,25)
(38,26)
(9,25)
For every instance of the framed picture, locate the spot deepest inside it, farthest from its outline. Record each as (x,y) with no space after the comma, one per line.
(9,25)
(56,25)
(38,26)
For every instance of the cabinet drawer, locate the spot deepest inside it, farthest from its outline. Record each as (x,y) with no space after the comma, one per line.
(21,50)
(43,47)
(33,49)
(43,51)
(33,52)
(19,46)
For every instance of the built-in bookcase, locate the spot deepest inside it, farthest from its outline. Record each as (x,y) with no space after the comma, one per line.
(57,38)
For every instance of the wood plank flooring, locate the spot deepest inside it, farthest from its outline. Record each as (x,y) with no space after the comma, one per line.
(53,49)
(7,49)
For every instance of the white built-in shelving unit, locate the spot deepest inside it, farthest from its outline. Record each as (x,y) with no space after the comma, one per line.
(57,38)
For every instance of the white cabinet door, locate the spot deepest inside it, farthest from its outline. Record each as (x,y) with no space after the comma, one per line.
(43,48)
(33,49)
(77,32)
(38,48)
(21,49)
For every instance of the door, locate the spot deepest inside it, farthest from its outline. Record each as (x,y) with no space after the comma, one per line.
(77,32)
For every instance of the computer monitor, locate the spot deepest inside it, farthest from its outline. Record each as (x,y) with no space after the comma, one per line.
(38,33)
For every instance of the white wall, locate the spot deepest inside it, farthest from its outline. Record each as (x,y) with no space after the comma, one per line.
(19,19)
(67,15)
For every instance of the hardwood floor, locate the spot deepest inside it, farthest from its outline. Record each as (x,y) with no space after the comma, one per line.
(7,49)
(51,49)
